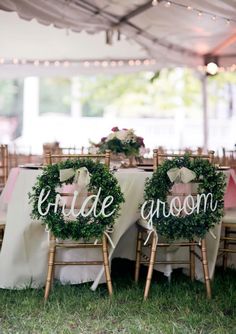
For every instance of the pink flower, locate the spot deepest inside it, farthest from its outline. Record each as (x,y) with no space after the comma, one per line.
(115,129)
(140,141)
(103,139)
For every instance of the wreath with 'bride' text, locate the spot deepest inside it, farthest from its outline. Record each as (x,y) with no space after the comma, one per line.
(202,213)
(89,225)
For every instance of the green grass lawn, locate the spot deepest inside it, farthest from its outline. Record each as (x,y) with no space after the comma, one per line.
(179,307)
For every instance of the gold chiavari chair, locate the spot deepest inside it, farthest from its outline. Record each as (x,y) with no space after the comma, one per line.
(55,244)
(3,179)
(53,149)
(228,239)
(151,258)
(3,165)
(229,158)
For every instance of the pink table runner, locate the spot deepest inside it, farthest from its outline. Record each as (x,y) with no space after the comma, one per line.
(230,194)
(8,189)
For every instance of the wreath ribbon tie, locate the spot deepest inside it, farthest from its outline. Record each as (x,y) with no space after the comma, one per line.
(81,176)
(153,231)
(150,228)
(182,174)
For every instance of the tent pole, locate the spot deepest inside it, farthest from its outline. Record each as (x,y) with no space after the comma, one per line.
(205,112)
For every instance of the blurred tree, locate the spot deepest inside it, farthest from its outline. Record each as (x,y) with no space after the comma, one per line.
(11,97)
(54,95)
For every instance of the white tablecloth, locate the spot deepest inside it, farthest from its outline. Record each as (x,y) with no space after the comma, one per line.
(23,258)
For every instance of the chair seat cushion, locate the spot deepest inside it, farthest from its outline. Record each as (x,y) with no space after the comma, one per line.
(230,216)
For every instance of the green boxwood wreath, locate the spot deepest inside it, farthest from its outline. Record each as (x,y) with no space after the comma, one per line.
(196,224)
(83,227)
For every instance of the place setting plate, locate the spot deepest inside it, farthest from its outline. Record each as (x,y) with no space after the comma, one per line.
(146,168)
(31,166)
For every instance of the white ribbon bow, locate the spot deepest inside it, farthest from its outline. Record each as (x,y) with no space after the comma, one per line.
(81,176)
(182,174)
(151,230)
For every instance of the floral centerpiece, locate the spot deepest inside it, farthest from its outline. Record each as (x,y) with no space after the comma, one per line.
(121,141)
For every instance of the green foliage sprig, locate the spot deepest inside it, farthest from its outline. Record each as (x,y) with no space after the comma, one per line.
(83,227)
(196,224)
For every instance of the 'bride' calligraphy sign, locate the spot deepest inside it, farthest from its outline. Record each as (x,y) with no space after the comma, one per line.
(88,207)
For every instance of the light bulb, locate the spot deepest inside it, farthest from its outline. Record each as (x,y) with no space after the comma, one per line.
(212,68)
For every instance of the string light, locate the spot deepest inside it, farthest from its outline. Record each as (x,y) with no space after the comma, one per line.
(113,63)
(66,64)
(104,63)
(86,64)
(198,11)
(210,68)
(146,62)
(213,69)
(15,61)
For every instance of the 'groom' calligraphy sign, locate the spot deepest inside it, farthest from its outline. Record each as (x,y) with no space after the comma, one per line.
(177,213)
(176,207)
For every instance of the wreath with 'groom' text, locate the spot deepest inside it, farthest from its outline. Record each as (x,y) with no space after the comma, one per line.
(87,227)
(158,187)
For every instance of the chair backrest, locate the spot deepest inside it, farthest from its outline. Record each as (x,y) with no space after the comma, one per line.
(50,158)
(21,155)
(181,190)
(229,158)
(4,168)
(67,192)
(159,157)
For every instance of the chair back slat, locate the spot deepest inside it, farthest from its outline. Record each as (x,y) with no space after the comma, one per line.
(4,167)
(159,157)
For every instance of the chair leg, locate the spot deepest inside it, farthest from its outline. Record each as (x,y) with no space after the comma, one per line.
(138,256)
(192,261)
(2,229)
(151,265)
(205,268)
(226,246)
(51,259)
(106,264)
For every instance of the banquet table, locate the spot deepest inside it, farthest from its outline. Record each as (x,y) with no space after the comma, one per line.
(23,257)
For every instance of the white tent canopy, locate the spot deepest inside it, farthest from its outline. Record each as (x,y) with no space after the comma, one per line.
(173,33)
